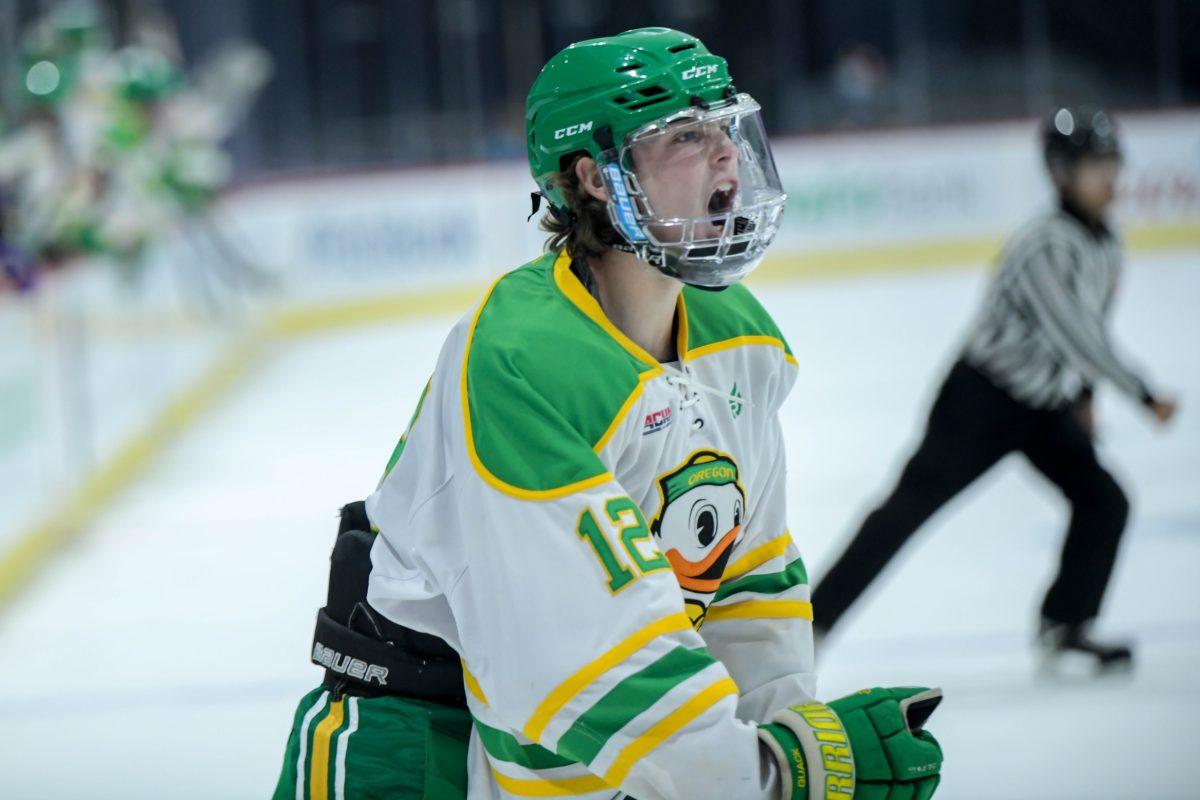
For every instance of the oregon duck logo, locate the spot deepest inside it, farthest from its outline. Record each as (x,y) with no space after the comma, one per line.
(699,519)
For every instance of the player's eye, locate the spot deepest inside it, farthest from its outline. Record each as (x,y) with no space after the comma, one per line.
(737,513)
(705,524)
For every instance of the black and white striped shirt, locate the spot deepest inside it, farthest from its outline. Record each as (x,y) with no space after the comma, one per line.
(1042,332)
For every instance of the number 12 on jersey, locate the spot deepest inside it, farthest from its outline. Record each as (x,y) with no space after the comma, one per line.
(631,529)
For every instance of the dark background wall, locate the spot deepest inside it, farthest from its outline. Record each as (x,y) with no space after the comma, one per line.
(370,82)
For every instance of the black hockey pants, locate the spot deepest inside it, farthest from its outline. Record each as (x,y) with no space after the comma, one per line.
(972,425)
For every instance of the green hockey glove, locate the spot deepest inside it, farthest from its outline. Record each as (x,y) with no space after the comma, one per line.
(867,746)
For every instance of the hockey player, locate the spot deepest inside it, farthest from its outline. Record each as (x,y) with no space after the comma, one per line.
(1024,383)
(585,521)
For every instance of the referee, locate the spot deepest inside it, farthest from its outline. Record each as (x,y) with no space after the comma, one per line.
(1023,382)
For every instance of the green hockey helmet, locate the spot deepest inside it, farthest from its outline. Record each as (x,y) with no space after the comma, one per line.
(692,185)
(618,83)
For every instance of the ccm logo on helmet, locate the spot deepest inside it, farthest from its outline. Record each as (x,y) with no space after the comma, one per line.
(571,130)
(698,72)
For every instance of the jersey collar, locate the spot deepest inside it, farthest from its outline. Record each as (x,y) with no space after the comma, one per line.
(1098,228)
(578,295)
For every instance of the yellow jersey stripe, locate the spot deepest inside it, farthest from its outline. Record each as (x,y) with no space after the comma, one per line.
(681,333)
(550,787)
(472,684)
(742,341)
(570,286)
(302,763)
(667,727)
(762,609)
(573,685)
(758,556)
(318,785)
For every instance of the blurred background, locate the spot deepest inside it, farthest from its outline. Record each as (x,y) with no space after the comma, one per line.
(233,236)
(386,82)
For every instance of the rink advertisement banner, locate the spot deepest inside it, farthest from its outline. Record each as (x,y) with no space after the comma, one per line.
(408,229)
(397,231)
(907,186)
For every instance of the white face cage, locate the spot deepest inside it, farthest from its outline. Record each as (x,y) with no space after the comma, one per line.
(726,224)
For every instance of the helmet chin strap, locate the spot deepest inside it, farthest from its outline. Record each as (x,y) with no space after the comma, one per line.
(603,136)
(535,202)
(566,217)
(625,247)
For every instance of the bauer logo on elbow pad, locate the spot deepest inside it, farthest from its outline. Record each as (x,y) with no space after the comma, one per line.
(354,667)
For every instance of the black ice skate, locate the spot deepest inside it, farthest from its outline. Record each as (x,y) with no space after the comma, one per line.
(1061,643)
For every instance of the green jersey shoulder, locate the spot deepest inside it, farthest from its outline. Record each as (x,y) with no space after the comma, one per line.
(546,377)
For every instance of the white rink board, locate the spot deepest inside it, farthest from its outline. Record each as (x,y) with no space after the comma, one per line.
(87,360)
(164,656)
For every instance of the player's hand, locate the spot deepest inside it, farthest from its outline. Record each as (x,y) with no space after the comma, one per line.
(870,745)
(1163,410)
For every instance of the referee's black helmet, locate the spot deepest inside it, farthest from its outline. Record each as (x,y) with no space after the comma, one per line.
(1071,133)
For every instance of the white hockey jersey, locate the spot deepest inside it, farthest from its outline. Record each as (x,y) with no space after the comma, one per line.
(602,538)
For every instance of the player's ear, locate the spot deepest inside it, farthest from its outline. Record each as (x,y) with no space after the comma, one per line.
(590,180)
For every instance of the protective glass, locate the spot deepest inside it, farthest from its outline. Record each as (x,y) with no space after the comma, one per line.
(696,194)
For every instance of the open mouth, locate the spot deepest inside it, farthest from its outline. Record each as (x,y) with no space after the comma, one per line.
(721,200)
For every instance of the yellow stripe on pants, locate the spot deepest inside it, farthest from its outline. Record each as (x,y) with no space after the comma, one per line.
(318,785)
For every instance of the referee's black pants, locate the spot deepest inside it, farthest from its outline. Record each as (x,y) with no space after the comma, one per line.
(972,425)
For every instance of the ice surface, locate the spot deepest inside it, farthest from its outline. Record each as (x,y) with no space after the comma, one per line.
(164,655)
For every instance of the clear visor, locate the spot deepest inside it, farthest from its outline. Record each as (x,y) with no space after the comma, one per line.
(698,192)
